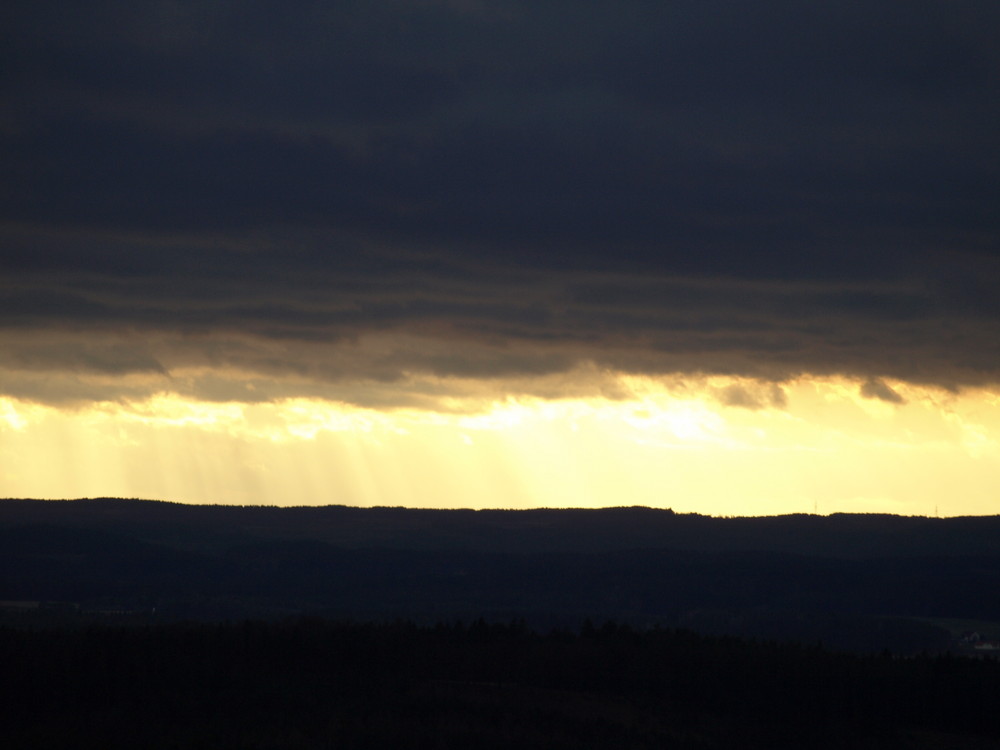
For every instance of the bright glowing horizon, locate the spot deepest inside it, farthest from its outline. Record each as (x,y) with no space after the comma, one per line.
(712,445)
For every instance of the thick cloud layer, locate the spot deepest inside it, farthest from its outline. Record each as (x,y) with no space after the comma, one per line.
(333,193)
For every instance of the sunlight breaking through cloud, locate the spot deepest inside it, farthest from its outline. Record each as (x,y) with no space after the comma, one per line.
(658,442)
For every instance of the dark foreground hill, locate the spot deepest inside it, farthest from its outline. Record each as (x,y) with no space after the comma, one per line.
(308,683)
(858,582)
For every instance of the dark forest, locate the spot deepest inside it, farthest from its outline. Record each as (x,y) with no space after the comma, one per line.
(129,623)
(313,683)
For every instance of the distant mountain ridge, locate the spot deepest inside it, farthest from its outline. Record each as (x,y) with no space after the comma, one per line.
(835,578)
(214,527)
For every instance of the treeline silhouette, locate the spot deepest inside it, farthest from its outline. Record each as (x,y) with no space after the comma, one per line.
(848,603)
(313,683)
(208,528)
(167,562)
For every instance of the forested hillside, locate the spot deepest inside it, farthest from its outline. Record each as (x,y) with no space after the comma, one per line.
(316,684)
(862,583)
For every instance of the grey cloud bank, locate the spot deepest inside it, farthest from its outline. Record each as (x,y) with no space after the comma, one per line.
(374,191)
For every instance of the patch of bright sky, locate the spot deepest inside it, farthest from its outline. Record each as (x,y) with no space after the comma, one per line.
(659,442)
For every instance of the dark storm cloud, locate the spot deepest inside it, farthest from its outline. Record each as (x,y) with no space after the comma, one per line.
(875,388)
(740,395)
(762,189)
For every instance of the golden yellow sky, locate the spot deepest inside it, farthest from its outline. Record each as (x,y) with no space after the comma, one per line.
(324,261)
(720,446)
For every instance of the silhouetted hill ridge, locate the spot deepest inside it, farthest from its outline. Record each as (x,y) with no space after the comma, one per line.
(217,527)
(638,564)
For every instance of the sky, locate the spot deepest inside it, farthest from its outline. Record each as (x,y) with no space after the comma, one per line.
(723,257)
